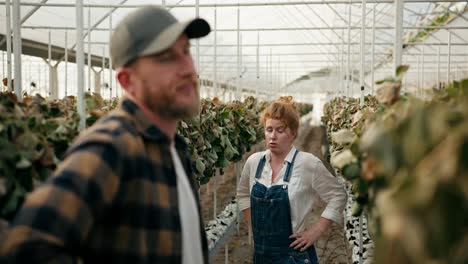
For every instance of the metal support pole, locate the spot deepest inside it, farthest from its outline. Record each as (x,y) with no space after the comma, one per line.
(3,65)
(89,50)
(215,193)
(466,73)
(348,70)
(24,19)
(110,61)
(438,67)
(234,4)
(363,50)
(398,44)
(373,50)
(271,70)
(215,58)
(66,63)
(361,242)
(419,75)
(17,48)
(102,70)
(226,253)
(49,62)
(80,63)
(341,92)
(238,57)
(278,75)
(8,42)
(449,44)
(240,65)
(257,66)
(197,43)
(422,72)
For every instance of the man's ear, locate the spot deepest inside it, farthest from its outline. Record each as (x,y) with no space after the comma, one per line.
(125,80)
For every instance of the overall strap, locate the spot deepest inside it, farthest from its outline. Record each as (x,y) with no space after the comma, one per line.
(287,175)
(260,167)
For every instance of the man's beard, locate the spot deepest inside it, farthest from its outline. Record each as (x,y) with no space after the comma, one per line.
(165,104)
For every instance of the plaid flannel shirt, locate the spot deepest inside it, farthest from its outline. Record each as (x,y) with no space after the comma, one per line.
(112,200)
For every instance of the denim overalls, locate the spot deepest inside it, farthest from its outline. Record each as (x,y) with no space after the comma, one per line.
(271,223)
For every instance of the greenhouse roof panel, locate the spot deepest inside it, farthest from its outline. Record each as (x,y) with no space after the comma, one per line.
(293,38)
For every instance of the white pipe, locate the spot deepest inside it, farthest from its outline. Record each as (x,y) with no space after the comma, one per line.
(341,91)
(110,60)
(8,43)
(398,44)
(316,53)
(419,75)
(26,17)
(314,28)
(258,66)
(39,78)
(449,56)
(66,63)
(373,50)
(343,2)
(240,65)
(17,49)
(315,44)
(422,72)
(363,50)
(80,63)
(438,67)
(360,238)
(215,70)
(271,70)
(103,67)
(89,50)
(226,253)
(197,14)
(348,70)
(3,66)
(238,57)
(278,75)
(215,193)
(49,63)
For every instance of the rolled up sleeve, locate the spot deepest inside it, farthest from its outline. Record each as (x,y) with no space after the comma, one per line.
(331,191)
(243,189)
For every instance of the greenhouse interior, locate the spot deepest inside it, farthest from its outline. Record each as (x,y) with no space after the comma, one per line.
(381,87)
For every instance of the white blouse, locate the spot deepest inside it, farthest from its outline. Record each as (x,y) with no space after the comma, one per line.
(308,178)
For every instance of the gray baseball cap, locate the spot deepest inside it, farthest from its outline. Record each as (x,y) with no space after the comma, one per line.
(150,30)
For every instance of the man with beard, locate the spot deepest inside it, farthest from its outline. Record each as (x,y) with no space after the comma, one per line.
(124,192)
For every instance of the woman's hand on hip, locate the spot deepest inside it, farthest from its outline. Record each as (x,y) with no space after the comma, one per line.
(308,237)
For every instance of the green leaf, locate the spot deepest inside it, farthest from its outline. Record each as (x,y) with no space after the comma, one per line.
(401,71)
(351,171)
(464,86)
(379,82)
(200,166)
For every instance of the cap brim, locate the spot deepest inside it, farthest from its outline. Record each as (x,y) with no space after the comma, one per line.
(195,28)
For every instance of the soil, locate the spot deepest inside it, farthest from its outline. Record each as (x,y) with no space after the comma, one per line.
(332,248)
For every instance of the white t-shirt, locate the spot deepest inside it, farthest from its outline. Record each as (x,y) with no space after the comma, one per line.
(189,215)
(309,177)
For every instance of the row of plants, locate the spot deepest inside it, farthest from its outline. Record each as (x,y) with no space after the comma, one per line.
(441,20)
(35,134)
(407,161)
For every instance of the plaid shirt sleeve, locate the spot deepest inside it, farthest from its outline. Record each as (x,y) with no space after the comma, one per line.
(56,218)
